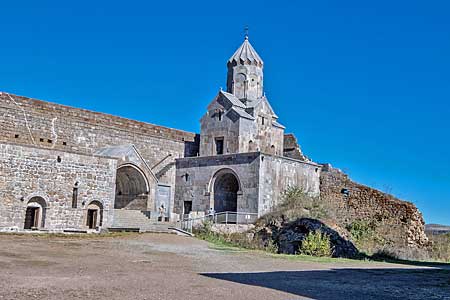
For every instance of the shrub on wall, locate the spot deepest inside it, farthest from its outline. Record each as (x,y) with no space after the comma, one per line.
(299,204)
(316,244)
(366,235)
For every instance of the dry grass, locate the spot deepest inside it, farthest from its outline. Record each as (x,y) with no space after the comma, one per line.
(440,249)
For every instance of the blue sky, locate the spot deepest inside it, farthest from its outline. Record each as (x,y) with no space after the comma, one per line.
(364,86)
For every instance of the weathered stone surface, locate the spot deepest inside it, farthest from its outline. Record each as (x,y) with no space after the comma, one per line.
(400,222)
(291,148)
(47,125)
(262,180)
(27,172)
(227,229)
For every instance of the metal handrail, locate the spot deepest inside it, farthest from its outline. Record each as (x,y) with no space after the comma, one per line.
(226,217)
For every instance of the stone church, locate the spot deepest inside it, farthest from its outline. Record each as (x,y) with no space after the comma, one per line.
(69,169)
(242,164)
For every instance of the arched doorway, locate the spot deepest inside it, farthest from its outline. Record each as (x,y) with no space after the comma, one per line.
(35,213)
(94,215)
(132,188)
(226,187)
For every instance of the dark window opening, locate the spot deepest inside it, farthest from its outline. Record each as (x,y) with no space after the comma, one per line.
(58,159)
(49,141)
(41,140)
(219,115)
(187,207)
(75,196)
(186,177)
(64,143)
(219,145)
(16,136)
(262,120)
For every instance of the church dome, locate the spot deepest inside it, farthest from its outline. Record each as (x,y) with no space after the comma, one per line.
(246,55)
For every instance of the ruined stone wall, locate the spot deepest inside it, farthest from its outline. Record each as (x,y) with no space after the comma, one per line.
(279,173)
(399,222)
(292,149)
(52,126)
(27,171)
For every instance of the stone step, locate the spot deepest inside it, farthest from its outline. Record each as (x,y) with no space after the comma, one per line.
(135,219)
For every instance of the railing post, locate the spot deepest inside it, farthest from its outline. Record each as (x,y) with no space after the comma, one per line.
(226,217)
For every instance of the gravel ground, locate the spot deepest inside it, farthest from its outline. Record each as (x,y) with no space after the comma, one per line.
(165,266)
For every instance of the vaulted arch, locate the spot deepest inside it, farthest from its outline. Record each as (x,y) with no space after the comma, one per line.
(225,188)
(132,188)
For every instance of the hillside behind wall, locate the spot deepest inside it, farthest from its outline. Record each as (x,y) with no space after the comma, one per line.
(399,223)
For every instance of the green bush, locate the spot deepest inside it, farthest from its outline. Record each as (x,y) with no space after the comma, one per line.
(316,244)
(369,237)
(299,204)
(361,230)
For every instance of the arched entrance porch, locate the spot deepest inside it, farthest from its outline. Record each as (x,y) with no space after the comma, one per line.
(132,188)
(226,189)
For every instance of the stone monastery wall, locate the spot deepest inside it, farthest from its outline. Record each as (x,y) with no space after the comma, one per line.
(27,172)
(59,127)
(399,222)
(279,173)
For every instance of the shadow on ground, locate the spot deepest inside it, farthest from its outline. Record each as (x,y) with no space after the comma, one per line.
(333,284)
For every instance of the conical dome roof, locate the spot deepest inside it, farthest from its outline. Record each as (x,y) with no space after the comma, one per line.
(246,55)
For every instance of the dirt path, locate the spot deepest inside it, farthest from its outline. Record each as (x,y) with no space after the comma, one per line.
(161,266)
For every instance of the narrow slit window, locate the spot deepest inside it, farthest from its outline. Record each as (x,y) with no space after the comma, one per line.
(75,195)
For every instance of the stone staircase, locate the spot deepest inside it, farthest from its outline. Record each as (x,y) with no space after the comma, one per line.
(136,220)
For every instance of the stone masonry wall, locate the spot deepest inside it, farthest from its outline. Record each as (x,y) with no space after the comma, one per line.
(400,222)
(200,173)
(64,128)
(279,173)
(26,172)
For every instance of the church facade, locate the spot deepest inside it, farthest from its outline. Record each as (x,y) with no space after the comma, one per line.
(242,165)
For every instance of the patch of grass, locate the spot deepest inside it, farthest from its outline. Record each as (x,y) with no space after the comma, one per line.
(218,242)
(440,249)
(231,242)
(309,258)
(222,245)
